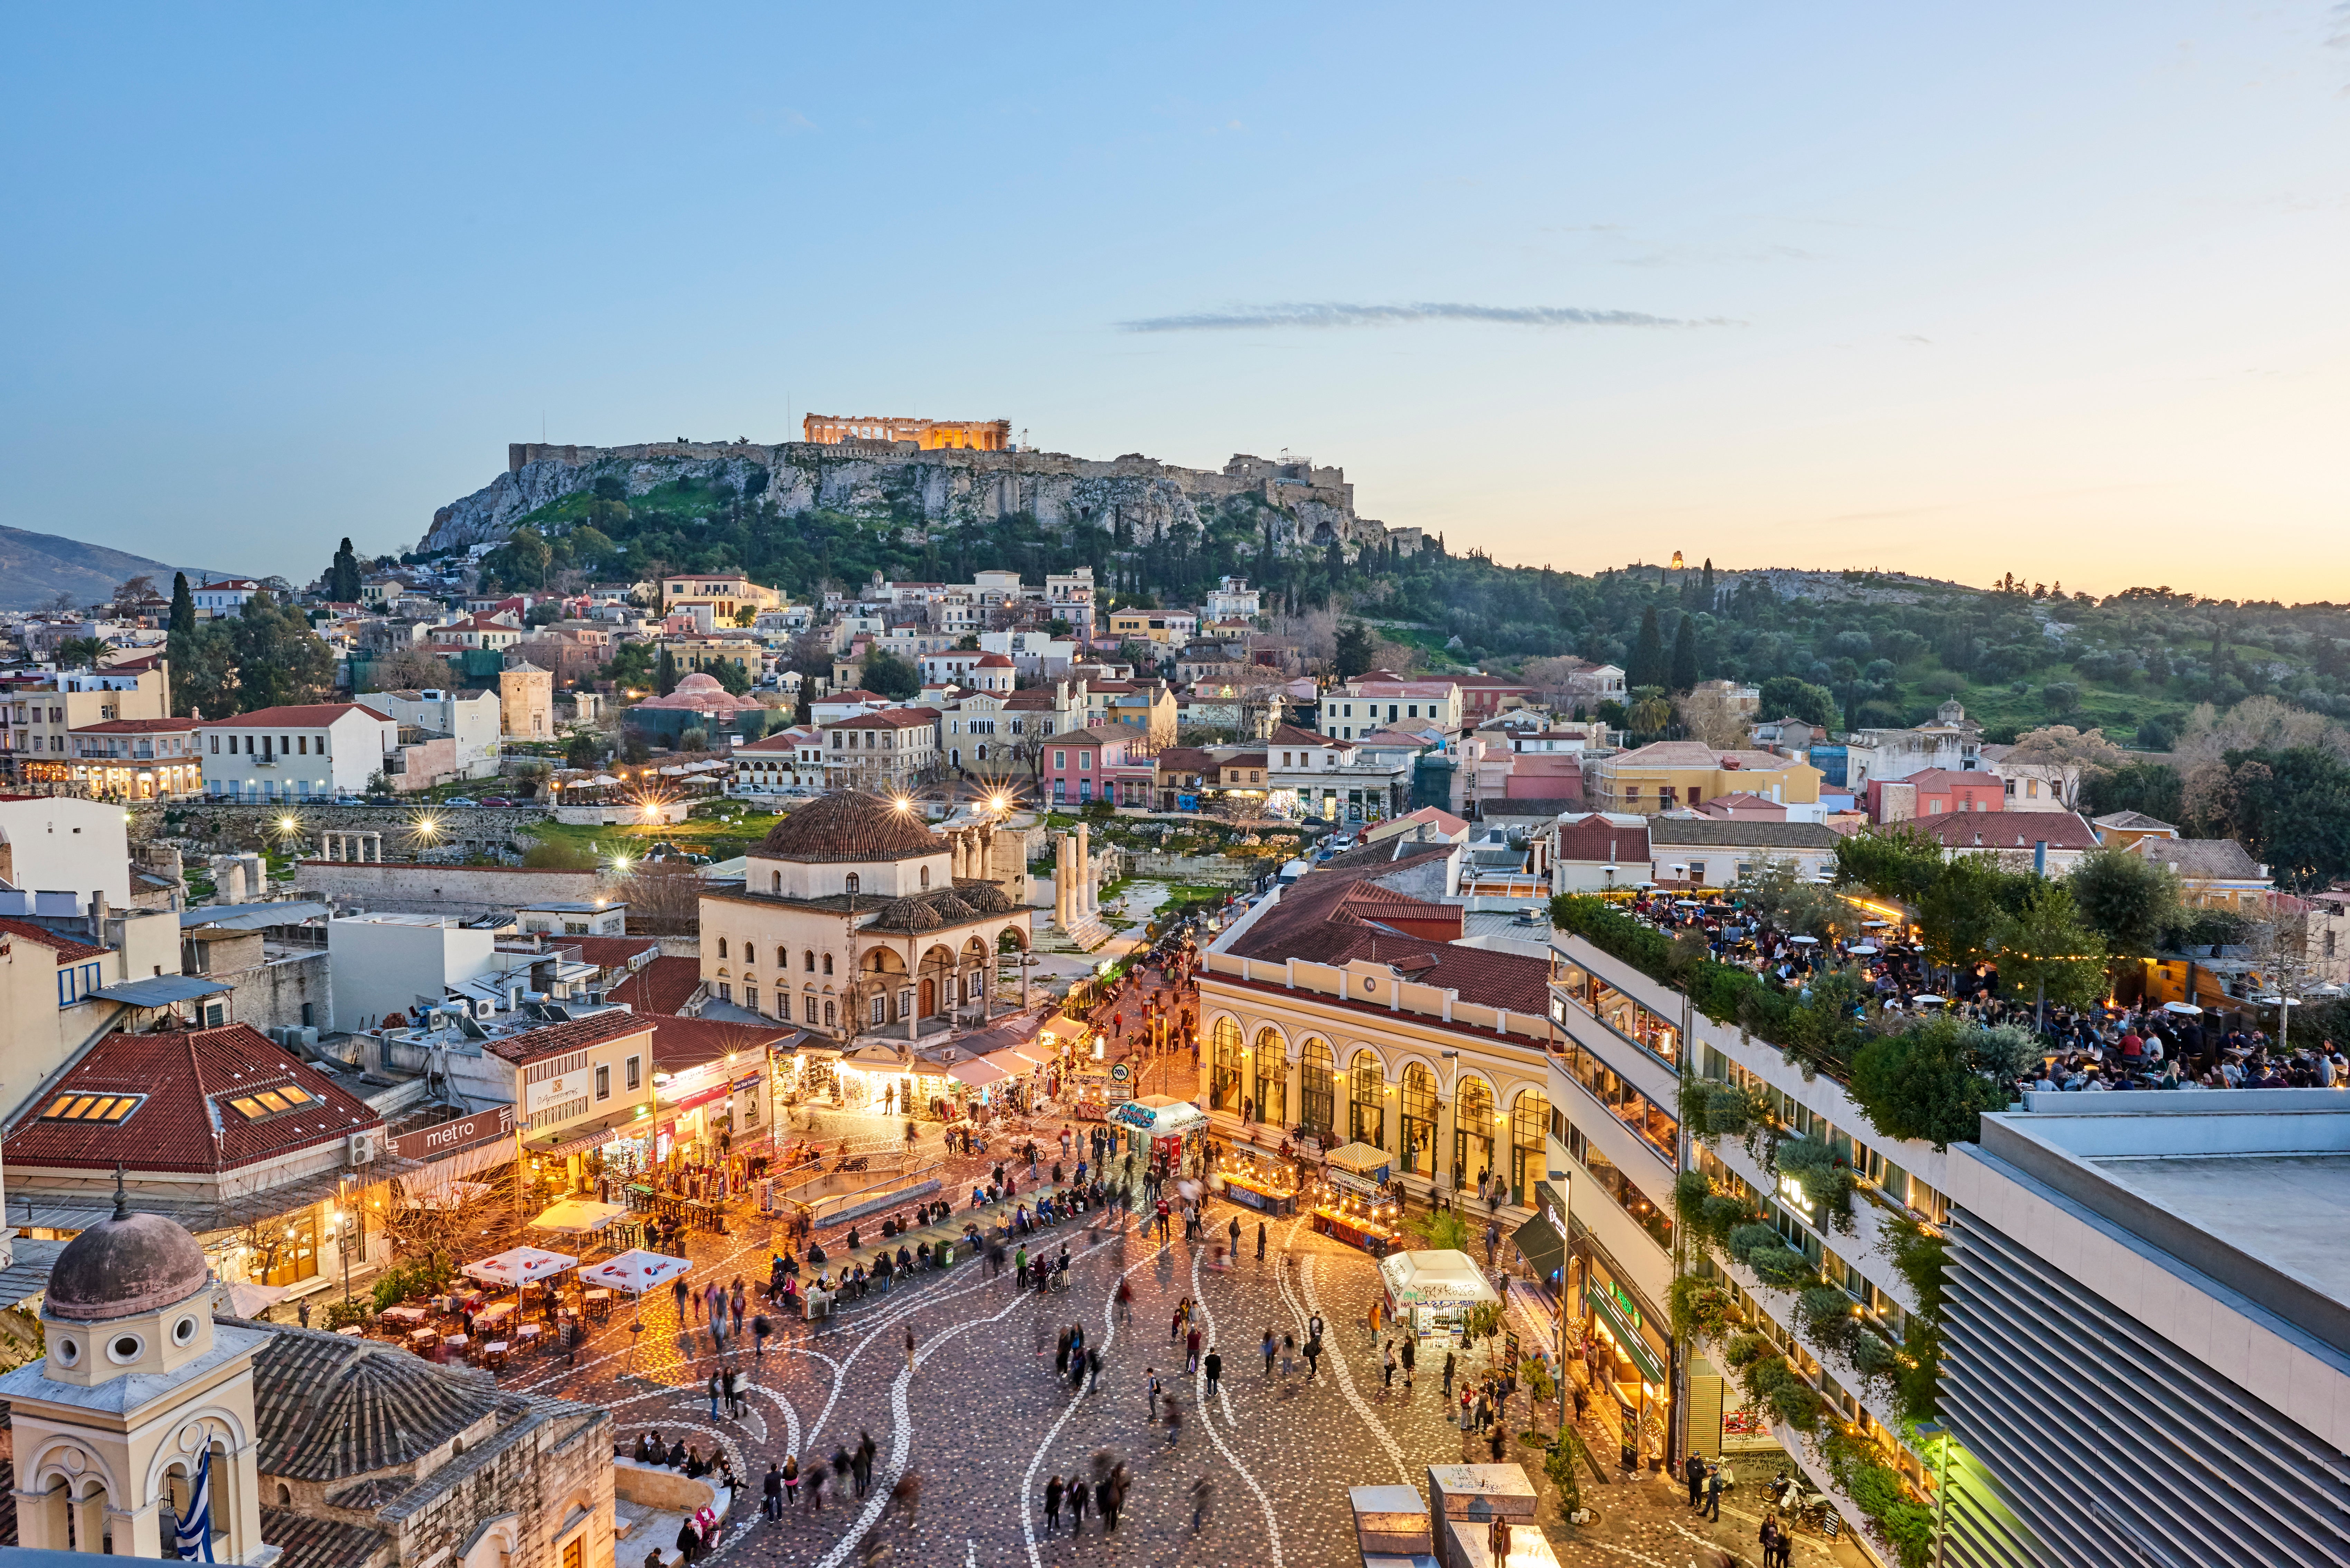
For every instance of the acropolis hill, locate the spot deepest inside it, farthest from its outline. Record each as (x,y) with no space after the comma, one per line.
(1306,507)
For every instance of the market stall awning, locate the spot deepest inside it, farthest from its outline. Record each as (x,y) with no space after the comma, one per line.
(578,1216)
(976,1075)
(1540,1246)
(582,1135)
(1442,1278)
(1360,1159)
(1012,1064)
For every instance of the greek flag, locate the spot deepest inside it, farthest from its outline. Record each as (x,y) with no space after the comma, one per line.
(192,1540)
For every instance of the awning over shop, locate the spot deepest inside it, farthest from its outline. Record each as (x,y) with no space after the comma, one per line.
(160,990)
(586,1135)
(1443,1278)
(1012,1064)
(1540,1246)
(976,1075)
(1159,1115)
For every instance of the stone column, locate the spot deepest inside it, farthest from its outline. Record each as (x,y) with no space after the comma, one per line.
(986,857)
(1085,871)
(958,852)
(1061,881)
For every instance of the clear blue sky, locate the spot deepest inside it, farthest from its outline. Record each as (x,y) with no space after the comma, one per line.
(2056,290)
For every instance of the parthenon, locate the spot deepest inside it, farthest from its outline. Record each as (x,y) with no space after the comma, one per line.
(977,435)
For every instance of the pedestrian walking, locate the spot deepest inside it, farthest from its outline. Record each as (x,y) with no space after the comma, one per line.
(1093,1366)
(738,1388)
(1288,1355)
(1191,1350)
(1174,1423)
(792,1481)
(1388,1370)
(1106,1503)
(717,1391)
(1411,1359)
(771,1493)
(1693,1475)
(1714,1493)
(1313,1357)
(761,1327)
(1202,1492)
(1269,1346)
(1215,1365)
(1078,1494)
(1449,1365)
(1260,1240)
(1124,1301)
(1151,1387)
(1054,1492)
(816,1476)
(909,1347)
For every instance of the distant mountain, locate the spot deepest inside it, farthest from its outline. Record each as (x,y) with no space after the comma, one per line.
(37,567)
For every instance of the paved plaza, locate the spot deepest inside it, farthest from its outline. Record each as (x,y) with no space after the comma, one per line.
(981,1419)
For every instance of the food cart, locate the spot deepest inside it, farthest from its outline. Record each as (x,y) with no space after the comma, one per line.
(1156,1125)
(1430,1292)
(1261,1185)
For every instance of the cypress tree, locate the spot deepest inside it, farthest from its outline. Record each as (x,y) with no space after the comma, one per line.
(183,606)
(1648,668)
(665,676)
(1685,654)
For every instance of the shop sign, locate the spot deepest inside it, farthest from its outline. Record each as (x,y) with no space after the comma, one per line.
(1121,1083)
(448,1138)
(1135,1116)
(752,1082)
(548,1092)
(1609,1304)
(1790,1192)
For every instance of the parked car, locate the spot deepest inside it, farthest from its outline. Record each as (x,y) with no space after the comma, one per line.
(460,800)
(493,800)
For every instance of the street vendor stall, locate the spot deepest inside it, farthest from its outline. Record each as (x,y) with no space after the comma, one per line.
(1431,1293)
(1359,1168)
(1261,1185)
(1156,1125)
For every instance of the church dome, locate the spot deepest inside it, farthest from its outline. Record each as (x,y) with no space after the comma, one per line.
(851,826)
(126,1265)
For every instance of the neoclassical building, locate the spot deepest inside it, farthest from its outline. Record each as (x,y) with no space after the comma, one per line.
(856,917)
(1349,1002)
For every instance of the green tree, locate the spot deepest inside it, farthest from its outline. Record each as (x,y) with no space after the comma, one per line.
(1649,666)
(2153,789)
(1685,654)
(2048,953)
(1932,1083)
(183,604)
(1358,646)
(2128,900)
(730,675)
(81,652)
(632,667)
(2291,809)
(583,750)
(342,581)
(665,672)
(280,661)
(1785,697)
(1962,912)
(892,676)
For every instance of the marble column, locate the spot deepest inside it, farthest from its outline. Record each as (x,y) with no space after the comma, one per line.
(1064,882)
(1085,871)
(986,854)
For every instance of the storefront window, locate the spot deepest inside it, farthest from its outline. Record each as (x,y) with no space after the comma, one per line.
(288,1248)
(1365,1112)
(1528,1120)
(1473,1132)
(1317,1086)
(1272,1079)
(1627,1105)
(1418,1120)
(1224,1066)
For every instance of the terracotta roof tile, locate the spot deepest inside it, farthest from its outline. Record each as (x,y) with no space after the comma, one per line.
(663,986)
(849,826)
(306,716)
(682,1043)
(309,1541)
(189,1076)
(576,1035)
(67,950)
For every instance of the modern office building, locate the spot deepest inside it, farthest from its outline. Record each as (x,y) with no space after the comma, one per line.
(2148,1342)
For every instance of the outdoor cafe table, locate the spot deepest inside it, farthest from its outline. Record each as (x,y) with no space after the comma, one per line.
(424,1338)
(491,1317)
(1260,1196)
(406,1316)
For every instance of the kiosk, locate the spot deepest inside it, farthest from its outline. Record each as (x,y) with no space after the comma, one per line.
(1156,1125)
(1431,1293)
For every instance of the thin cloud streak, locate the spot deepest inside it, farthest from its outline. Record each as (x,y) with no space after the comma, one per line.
(1331,315)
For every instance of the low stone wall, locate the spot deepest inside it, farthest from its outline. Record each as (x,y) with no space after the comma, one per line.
(239,826)
(671,1492)
(423,887)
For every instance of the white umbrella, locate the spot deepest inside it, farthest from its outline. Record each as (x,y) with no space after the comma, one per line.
(518,1266)
(1805,942)
(1928,999)
(601,780)
(252,1300)
(1878,924)
(2180,1007)
(636,1273)
(1862,948)
(577,1216)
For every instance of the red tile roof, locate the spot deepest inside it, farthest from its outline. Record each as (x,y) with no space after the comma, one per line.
(186,1122)
(613,953)
(577,1035)
(682,1043)
(1291,735)
(2013,830)
(305,716)
(69,951)
(854,694)
(888,719)
(134,726)
(663,986)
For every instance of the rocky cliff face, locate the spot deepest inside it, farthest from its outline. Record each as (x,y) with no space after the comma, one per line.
(1307,507)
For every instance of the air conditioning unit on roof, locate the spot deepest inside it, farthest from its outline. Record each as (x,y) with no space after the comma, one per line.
(360,1149)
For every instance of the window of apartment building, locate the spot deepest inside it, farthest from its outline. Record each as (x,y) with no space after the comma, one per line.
(633,1073)
(1656,1126)
(603,1083)
(1621,1188)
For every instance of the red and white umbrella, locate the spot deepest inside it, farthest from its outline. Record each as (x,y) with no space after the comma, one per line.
(519,1266)
(636,1271)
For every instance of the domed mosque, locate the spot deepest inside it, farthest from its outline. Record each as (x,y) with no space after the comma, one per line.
(855,917)
(151,1420)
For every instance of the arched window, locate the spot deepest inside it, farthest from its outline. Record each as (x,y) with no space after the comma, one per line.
(1419,1149)
(1367,1118)
(854,884)
(1272,1079)
(810,957)
(827,963)
(721,947)
(1529,1120)
(926,875)
(783,958)
(1317,1098)
(829,1016)
(1472,1131)
(1224,1066)
(775,882)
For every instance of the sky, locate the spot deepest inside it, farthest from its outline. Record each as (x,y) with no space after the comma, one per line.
(2057,291)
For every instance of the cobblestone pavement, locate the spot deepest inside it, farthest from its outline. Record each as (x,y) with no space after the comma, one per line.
(980,1417)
